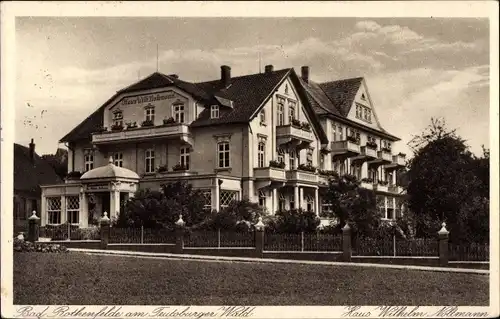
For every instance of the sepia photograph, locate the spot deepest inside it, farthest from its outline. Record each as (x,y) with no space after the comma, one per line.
(220,164)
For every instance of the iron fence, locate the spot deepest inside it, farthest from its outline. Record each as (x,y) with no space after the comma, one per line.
(219,239)
(302,242)
(469,252)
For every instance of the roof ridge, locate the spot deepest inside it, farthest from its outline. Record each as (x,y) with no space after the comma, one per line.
(342,80)
(246,75)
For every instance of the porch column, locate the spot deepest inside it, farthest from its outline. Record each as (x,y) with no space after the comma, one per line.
(274,201)
(316,201)
(64,213)
(114,204)
(301,198)
(84,210)
(215,196)
(43,209)
(394,178)
(296,197)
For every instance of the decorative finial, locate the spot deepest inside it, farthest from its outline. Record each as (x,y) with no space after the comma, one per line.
(34,216)
(180,222)
(346,227)
(105,217)
(111,160)
(443,229)
(260,225)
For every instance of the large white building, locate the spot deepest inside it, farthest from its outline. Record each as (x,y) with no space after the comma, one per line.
(270,137)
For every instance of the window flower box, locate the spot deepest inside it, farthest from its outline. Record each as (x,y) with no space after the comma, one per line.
(170,120)
(383,183)
(179,167)
(162,169)
(147,123)
(276,164)
(353,139)
(101,130)
(307,168)
(305,126)
(366,180)
(402,154)
(386,149)
(296,123)
(371,145)
(117,128)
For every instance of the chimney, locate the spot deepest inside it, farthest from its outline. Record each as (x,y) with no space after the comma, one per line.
(32,150)
(225,74)
(269,68)
(305,74)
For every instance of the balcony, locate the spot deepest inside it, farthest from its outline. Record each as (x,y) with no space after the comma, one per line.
(366,185)
(180,131)
(366,154)
(301,176)
(383,157)
(292,134)
(269,173)
(398,161)
(396,189)
(345,148)
(380,187)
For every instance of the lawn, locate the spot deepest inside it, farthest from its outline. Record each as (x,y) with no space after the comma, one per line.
(76,278)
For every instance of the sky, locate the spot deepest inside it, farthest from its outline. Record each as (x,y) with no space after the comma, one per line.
(415,68)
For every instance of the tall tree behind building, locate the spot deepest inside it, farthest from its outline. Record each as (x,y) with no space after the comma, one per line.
(59,161)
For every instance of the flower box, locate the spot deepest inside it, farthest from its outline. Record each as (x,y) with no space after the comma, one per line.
(386,149)
(367,180)
(131,125)
(162,169)
(276,164)
(372,145)
(296,123)
(307,168)
(305,126)
(117,128)
(179,167)
(147,123)
(170,120)
(353,139)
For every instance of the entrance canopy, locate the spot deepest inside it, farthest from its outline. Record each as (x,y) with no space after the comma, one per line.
(110,171)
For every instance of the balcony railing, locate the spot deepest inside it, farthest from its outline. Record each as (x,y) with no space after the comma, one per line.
(366,185)
(269,173)
(384,156)
(142,133)
(380,188)
(396,189)
(345,147)
(286,133)
(302,176)
(397,161)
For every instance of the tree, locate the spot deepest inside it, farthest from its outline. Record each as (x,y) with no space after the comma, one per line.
(239,215)
(446,183)
(58,161)
(294,221)
(352,204)
(161,209)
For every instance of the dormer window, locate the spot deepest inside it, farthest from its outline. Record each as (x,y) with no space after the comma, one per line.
(263,116)
(363,96)
(118,118)
(178,110)
(286,89)
(150,113)
(214,112)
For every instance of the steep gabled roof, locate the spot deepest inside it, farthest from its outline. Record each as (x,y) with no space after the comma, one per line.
(342,93)
(247,92)
(30,174)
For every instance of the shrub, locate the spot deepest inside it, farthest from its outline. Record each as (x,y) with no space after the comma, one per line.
(296,221)
(328,173)
(276,164)
(147,123)
(74,175)
(239,215)
(162,169)
(353,139)
(296,123)
(305,126)
(26,246)
(372,145)
(383,183)
(170,120)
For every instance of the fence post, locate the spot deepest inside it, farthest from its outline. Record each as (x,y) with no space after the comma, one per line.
(394,244)
(301,241)
(443,245)
(218,237)
(142,234)
(259,238)
(179,235)
(33,227)
(346,242)
(105,223)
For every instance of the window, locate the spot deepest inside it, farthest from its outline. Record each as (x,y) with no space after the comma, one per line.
(369,115)
(340,132)
(359,111)
(286,89)
(263,116)
(309,157)
(365,114)
(373,174)
(291,161)
(390,208)
(334,132)
(118,159)
(73,209)
(214,112)
(223,151)
(326,208)
(54,210)
(291,111)
(281,202)
(281,111)
(322,161)
(150,161)
(363,96)
(88,160)
(262,199)
(261,153)
(207,195)
(389,178)
(381,205)
(339,167)
(281,155)
(179,112)
(150,113)
(226,197)
(292,203)
(310,203)
(356,170)
(184,160)
(118,118)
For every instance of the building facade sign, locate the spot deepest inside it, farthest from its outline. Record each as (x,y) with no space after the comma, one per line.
(148,98)
(97,187)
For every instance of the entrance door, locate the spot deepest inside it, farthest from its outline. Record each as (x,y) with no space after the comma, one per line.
(105,203)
